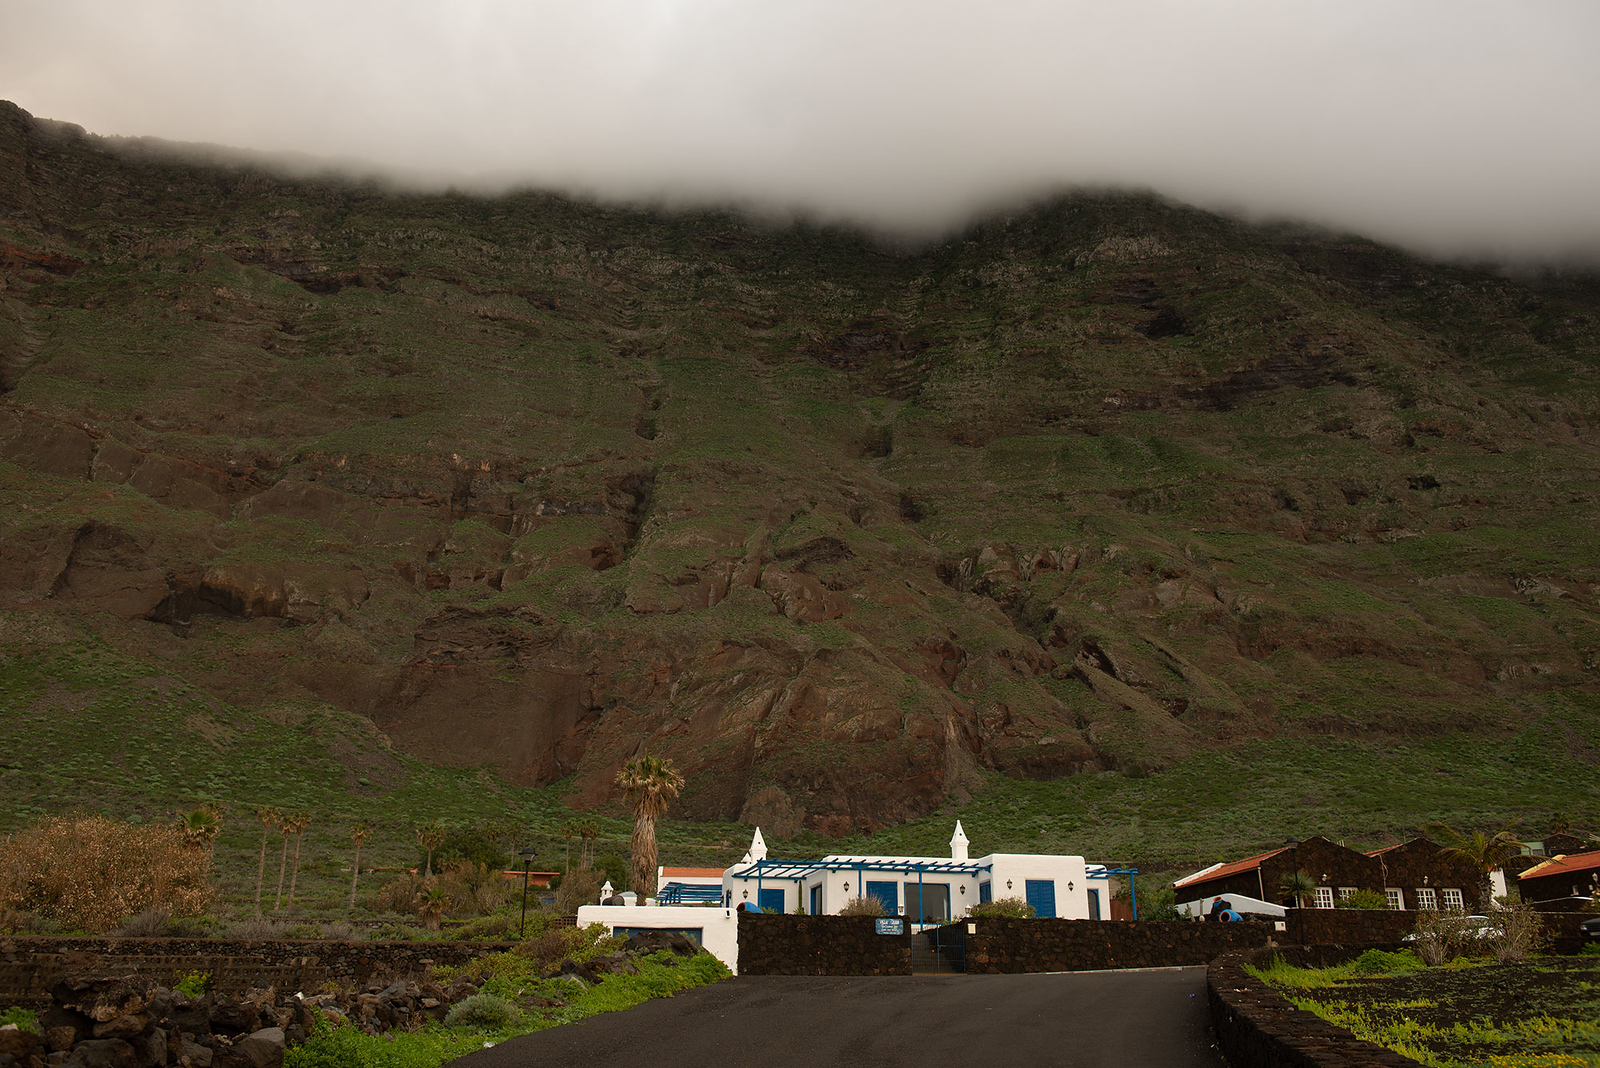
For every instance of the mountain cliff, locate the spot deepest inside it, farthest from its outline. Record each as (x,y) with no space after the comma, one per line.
(842,527)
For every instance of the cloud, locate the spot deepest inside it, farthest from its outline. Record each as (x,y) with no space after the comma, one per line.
(1458,127)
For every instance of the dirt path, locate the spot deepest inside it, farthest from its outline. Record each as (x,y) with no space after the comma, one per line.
(1156,1017)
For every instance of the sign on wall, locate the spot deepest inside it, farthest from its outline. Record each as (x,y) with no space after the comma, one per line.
(892,926)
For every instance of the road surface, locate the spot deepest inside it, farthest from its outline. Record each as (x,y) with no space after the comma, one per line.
(1131,1019)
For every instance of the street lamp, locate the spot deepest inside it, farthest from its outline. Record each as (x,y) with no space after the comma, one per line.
(527,861)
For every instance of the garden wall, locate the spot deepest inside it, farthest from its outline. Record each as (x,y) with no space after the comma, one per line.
(1055,945)
(776,944)
(1386,927)
(1257,1028)
(31,965)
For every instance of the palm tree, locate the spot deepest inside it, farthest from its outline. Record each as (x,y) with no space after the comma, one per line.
(433,904)
(269,818)
(200,827)
(649,782)
(297,826)
(569,831)
(430,836)
(1299,885)
(587,831)
(285,828)
(358,834)
(1483,852)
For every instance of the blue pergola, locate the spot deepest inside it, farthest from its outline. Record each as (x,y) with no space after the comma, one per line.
(1102,871)
(798,871)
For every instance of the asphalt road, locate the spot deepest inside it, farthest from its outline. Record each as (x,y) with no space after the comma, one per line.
(1124,1019)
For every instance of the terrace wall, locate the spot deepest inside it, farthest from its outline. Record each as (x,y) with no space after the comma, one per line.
(778,944)
(31,965)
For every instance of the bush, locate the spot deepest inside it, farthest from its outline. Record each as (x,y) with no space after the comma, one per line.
(1014,908)
(153,923)
(1363,899)
(399,894)
(863,906)
(552,946)
(474,889)
(483,1012)
(25,1019)
(192,984)
(92,873)
(1518,931)
(1382,962)
(337,932)
(1444,936)
(580,887)
(256,930)
(478,847)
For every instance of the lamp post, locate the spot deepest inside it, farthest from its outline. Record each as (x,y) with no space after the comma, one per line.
(527,861)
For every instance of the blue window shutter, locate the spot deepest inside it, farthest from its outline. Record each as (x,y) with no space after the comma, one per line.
(985,892)
(771,900)
(887,893)
(816,900)
(1042,896)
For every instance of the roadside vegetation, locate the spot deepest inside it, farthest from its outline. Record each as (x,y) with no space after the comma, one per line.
(1539,1012)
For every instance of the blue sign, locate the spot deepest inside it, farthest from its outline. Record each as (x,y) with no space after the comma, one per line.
(892,926)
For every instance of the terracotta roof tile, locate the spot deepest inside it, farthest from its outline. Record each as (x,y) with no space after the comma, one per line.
(668,872)
(1247,864)
(1568,862)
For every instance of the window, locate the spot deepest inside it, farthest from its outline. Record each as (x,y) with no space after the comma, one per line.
(1346,891)
(985,893)
(770,899)
(1041,894)
(1452,899)
(1324,897)
(816,900)
(1394,898)
(1426,898)
(886,894)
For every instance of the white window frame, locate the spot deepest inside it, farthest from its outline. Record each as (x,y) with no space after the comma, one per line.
(1324,897)
(1394,897)
(1452,899)
(1426,899)
(1346,891)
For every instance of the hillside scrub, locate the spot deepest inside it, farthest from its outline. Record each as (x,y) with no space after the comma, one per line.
(91,873)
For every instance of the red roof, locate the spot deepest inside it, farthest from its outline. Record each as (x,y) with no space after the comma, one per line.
(1225,870)
(691,873)
(1564,865)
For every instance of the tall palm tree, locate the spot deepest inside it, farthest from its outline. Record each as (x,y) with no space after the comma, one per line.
(358,834)
(650,783)
(588,831)
(1484,852)
(569,831)
(285,828)
(269,818)
(430,836)
(1299,885)
(298,824)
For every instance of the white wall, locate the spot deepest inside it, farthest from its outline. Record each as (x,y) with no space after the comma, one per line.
(720,926)
(1017,868)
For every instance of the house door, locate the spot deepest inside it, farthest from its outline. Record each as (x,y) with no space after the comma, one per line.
(816,900)
(928,902)
(770,900)
(1094,904)
(886,894)
(1042,896)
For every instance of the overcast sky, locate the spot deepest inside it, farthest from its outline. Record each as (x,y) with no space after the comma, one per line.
(1454,127)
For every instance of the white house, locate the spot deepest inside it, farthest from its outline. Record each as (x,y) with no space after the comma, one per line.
(704,904)
(926,890)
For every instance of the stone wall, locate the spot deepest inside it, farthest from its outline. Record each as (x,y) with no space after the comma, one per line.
(1348,927)
(1005,945)
(30,966)
(776,944)
(1257,1028)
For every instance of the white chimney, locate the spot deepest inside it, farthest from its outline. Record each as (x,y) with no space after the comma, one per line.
(606,891)
(958,844)
(758,847)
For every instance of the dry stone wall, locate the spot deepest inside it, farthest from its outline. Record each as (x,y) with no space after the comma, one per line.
(1007,945)
(775,944)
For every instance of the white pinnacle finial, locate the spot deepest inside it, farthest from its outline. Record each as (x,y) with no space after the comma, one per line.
(958,843)
(758,846)
(606,892)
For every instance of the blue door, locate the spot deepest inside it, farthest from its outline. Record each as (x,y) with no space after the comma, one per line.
(888,894)
(1042,896)
(985,893)
(816,900)
(1094,904)
(770,900)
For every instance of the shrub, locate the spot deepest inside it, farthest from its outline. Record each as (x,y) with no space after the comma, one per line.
(337,932)
(192,984)
(152,923)
(552,946)
(478,847)
(474,889)
(485,1012)
(1363,899)
(25,1019)
(863,906)
(256,930)
(397,895)
(1444,936)
(92,873)
(1382,962)
(302,931)
(1014,908)
(580,887)
(1518,931)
